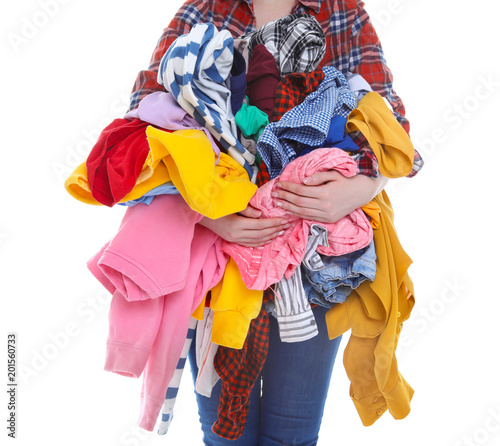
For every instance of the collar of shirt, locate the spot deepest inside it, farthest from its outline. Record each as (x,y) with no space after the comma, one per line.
(315,5)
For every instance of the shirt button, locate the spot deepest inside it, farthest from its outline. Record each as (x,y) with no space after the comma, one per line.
(380,412)
(399,314)
(375,399)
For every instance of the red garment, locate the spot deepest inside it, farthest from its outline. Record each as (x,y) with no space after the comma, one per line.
(293,89)
(116,160)
(238,370)
(262,175)
(262,79)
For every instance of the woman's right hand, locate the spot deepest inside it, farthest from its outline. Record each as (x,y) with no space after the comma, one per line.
(246,228)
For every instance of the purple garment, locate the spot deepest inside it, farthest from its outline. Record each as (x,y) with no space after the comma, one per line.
(161,109)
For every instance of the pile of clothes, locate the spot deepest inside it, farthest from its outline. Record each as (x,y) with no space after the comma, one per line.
(237,113)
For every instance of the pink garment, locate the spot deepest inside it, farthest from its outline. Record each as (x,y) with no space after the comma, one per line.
(265,265)
(158,266)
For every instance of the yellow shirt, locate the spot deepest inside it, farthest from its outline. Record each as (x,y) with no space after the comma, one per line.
(234,307)
(375,312)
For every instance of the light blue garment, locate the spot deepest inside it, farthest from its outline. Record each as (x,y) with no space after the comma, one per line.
(358,85)
(307,124)
(147,198)
(339,275)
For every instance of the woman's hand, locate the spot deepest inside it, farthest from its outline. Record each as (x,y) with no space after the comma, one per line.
(327,196)
(246,228)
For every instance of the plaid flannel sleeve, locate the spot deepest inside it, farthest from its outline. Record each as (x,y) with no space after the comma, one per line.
(239,370)
(187,16)
(367,59)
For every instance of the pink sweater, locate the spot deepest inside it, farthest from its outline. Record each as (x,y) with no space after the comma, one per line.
(158,267)
(263,266)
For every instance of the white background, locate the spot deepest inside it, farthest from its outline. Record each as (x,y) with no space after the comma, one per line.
(67,71)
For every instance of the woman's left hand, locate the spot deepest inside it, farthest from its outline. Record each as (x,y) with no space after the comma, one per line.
(327,196)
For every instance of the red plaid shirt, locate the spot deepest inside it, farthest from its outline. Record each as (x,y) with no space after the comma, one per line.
(352,46)
(238,370)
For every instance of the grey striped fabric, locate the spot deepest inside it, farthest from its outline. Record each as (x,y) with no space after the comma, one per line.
(292,309)
(318,235)
(295,318)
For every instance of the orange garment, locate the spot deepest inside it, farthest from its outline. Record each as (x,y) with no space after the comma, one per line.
(375,312)
(372,211)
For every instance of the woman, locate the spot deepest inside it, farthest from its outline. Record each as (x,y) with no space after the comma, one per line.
(286,404)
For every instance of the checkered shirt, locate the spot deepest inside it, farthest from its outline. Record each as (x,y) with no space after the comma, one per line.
(296,41)
(307,124)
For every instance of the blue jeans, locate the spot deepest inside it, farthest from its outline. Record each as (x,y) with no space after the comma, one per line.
(294,385)
(334,282)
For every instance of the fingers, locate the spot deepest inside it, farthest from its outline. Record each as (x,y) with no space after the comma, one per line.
(250,212)
(309,202)
(264,230)
(259,238)
(284,197)
(299,210)
(293,188)
(255,232)
(322,177)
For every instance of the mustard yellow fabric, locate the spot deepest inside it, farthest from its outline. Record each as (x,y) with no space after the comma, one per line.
(375,312)
(186,158)
(234,307)
(385,135)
